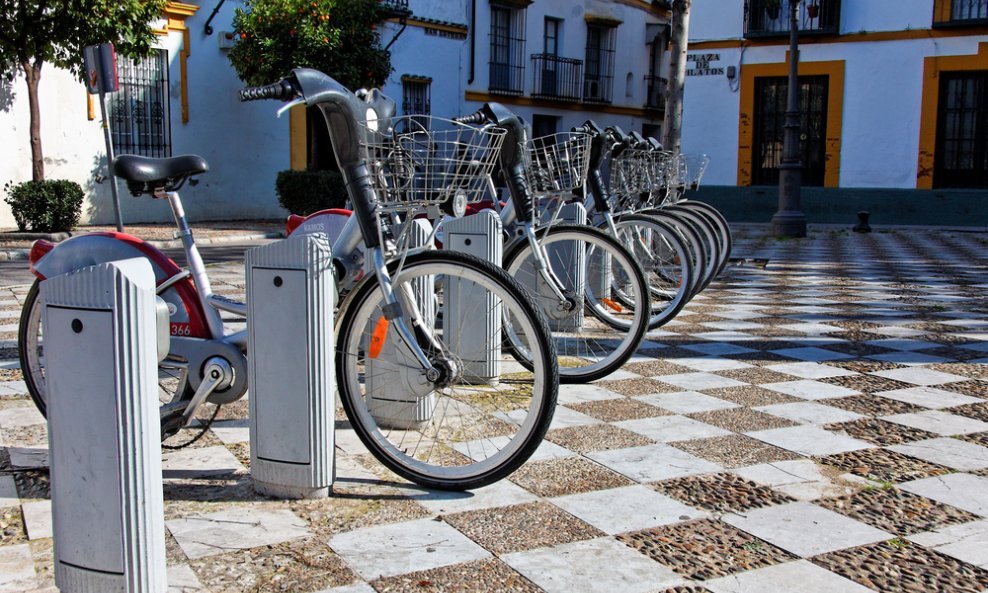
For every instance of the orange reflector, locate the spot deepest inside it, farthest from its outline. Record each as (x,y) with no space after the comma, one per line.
(612,305)
(378,337)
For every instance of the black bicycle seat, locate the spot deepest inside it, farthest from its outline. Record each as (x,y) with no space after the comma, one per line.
(146,174)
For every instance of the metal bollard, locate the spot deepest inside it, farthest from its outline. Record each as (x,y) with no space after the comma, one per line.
(476,339)
(290,295)
(398,396)
(105,434)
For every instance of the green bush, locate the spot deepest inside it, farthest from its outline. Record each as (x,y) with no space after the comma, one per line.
(49,206)
(305,192)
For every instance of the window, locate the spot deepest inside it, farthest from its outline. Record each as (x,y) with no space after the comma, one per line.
(962,131)
(140,121)
(544,125)
(598,71)
(947,13)
(652,131)
(507,64)
(550,37)
(770,18)
(416,97)
(771,95)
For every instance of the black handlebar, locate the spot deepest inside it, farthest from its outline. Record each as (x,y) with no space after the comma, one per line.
(282,91)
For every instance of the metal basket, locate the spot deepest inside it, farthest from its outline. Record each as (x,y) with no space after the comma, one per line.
(690,169)
(632,173)
(427,160)
(557,163)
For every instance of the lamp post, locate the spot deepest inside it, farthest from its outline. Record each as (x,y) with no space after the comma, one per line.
(790,221)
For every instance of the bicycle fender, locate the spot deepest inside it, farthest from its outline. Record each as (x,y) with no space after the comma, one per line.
(186,317)
(329,222)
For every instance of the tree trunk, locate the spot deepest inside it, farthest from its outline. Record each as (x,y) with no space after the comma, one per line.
(672,128)
(32,75)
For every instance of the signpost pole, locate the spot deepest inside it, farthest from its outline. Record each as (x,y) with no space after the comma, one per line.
(109,162)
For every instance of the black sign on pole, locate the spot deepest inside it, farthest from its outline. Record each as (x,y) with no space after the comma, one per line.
(100,65)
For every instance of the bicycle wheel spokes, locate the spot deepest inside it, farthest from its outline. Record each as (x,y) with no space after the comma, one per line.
(484,414)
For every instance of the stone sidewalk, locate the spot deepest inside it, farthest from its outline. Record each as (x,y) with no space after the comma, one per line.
(816,425)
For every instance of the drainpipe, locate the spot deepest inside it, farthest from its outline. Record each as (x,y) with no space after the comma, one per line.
(473,38)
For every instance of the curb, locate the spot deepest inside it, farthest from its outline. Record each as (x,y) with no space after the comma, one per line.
(21,254)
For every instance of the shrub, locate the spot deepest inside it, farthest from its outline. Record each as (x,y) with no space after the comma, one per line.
(305,192)
(46,206)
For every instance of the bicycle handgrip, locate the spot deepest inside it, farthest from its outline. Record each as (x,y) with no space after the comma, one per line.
(477,117)
(282,91)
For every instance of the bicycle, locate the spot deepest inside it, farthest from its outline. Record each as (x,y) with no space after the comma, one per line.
(471,435)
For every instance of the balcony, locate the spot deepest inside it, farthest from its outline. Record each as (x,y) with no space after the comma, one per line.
(395,8)
(655,99)
(557,79)
(960,13)
(770,18)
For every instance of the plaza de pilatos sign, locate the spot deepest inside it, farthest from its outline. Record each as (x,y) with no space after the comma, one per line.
(703,65)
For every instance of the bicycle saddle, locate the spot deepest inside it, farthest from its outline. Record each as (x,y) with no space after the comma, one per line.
(145,174)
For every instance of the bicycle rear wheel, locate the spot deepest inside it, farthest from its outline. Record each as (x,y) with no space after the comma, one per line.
(722,226)
(486,414)
(607,307)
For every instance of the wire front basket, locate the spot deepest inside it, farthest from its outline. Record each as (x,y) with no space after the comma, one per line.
(557,163)
(424,160)
(690,169)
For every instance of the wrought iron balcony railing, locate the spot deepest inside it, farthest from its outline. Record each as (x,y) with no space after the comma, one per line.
(655,89)
(770,18)
(960,13)
(395,8)
(557,78)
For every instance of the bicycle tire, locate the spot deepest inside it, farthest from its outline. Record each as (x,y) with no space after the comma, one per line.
(607,334)
(689,233)
(408,436)
(723,229)
(709,241)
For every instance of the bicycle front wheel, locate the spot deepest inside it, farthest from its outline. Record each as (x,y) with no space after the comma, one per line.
(604,314)
(484,414)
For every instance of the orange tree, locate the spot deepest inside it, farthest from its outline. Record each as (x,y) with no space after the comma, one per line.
(338,37)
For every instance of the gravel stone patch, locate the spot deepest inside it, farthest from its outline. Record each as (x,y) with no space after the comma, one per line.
(972,370)
(11,375)
(880,432)
(347,511)
(977,411)
(873,405)
(570,475)
(596,437)
(896,511)
(301,566)
(954,352)
(173,551)
(866,383)
(978,438)
(632,387)
(242,452)
(615,410)
(755,376)
(906,567)
(724,492)
(35,435)
(884,465)
(503,530)
(750,395)
(705,549)
(186,435)
(655,368)
(33,483)
(856,345)
(735,450)
(865,366)
(686,589)
(972,387)
(472,577)
(742,420)
(12,526)
(760,357)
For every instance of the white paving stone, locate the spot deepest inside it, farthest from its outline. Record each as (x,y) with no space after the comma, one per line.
(666,429)
(811,354)
(903,344)
(810,413)
(498,494)
(919,376)
(929,397)
(963,491)
(967,542)
(810,390)
(939,422)
(909,358)
(8,492)
(28,457)
(953,453)
(809,440)
(16,569)
(783,578)
(400,548)
(653,462)
(358,587)
(37,519)
(631,508)
(235,529)
(805,529)
(810,370)
(779,473)
(203,462)
(182,579)
(20,417)
(573,394)
(687,402)
(709,364)
(231,432)
(578,567)
(700,381)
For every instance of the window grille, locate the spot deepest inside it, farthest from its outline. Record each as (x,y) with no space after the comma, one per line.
(416,97)
(140,118)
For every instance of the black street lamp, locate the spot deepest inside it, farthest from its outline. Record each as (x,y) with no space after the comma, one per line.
(790,221)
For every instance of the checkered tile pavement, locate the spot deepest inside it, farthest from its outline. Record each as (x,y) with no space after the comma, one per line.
(819,424)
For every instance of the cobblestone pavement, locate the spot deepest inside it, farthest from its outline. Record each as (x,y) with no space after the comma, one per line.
(816,425)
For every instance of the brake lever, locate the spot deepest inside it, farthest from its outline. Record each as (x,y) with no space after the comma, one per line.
(289,105)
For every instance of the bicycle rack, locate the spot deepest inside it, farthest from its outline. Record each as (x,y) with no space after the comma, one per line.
(100,326)
(478,339)
(290,294)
